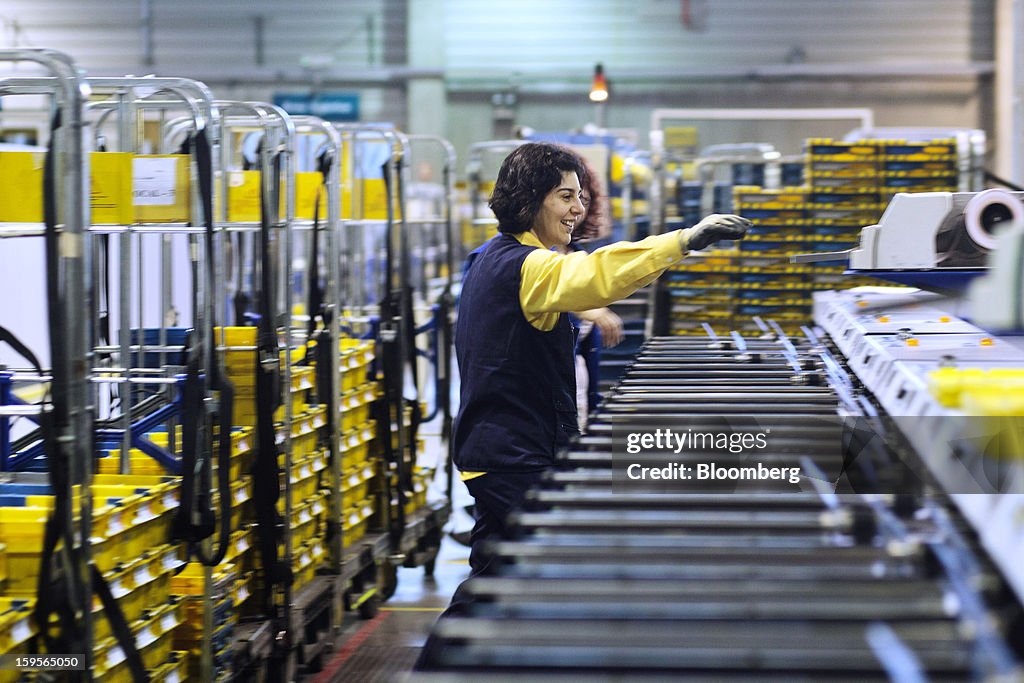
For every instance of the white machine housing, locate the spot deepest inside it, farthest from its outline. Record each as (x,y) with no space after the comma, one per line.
(905,237)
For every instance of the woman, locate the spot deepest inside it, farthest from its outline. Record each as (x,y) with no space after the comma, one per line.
(515,346)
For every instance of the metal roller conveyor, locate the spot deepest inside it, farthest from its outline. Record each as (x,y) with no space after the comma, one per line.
(770,648)
(924,594)
(693,539)
(909,600)
(745,361)
(603,579)
(804,395)
(805,434)
(783,453)
(583,491)
(807,563)
(597,458)
(668,518)
(657,382)
(663,344)
(668,390)
(540,570)
(642,376)
(651,409)
(710,364)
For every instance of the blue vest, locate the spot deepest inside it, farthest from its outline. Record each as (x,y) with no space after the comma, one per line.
(518,384)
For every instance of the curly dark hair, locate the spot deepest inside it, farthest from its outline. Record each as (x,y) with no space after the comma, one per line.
(593,197)
(524,180)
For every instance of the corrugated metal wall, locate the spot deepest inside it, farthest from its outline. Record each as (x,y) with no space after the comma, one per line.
(654,58)
(106,36)
(525,36)
(546,49)
(219,42)
(633,35)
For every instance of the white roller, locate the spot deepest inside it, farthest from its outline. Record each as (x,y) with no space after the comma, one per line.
(977,205)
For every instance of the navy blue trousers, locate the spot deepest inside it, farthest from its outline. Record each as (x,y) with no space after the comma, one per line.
(495,496)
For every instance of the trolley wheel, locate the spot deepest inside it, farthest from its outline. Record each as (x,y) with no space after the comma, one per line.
(369,608)
(387,579)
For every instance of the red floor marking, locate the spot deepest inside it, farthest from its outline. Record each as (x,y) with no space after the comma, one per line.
(349,648)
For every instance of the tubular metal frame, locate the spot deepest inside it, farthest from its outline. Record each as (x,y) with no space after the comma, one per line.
(129,98)
(68,92)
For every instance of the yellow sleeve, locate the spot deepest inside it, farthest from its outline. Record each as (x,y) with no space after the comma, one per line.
(553,283)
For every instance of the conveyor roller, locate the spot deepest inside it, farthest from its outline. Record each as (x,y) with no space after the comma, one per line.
(722,582)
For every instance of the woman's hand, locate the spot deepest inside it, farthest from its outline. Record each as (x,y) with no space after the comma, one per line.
(717,226)
(606,321)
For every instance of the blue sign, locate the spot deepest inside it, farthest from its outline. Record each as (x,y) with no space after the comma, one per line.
(330,106)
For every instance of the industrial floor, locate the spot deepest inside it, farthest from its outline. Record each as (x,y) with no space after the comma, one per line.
(384,649)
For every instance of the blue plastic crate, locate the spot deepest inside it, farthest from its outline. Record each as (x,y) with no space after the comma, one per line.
(176,336)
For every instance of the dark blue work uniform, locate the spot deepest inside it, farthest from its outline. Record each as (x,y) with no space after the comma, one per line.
(518,390)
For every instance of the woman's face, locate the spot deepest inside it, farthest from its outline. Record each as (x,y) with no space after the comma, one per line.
(559,213)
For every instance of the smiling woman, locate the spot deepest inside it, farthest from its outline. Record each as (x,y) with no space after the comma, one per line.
(558,214)
(513,341)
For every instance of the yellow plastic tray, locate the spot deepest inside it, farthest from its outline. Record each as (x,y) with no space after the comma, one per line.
(139,585)
(355,444)
(174,670)
(189,581)
(154,638)
(16,625)
(355,485)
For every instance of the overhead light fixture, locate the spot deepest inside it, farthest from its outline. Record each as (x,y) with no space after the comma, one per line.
(599,86)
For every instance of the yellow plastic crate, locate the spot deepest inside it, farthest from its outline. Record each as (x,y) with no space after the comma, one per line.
(16,626)
(243,589)
(782,198)
(190,633)
(240,547)
(235,335)
(189,581)
(191,643)
(16,629)
(174,670)
(22,531)
(354,377)
(354,521)
(355,484)
(306,475)
(828,149)
(420,483)
(144,526)
(242,444)
(138,585)
(108,552)
(356,357)
(997,391)
(355,444)
(355,406)
(241,501)
(154,638)
(306,559)
(138,462)
(305,430)
(303,379)
(306,520)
